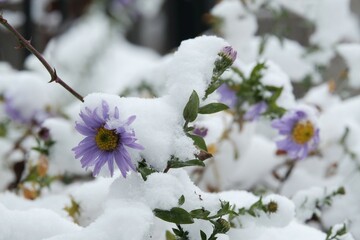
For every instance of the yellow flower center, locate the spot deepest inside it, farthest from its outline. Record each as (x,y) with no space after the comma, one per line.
(303,132)
(106,140)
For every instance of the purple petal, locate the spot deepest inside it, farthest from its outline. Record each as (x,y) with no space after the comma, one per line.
(84,130)
(103,158)
(105,109)
(130,120)
(116,114)
(120,162)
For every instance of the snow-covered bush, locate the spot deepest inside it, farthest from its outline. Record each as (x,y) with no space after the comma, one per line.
(209,142)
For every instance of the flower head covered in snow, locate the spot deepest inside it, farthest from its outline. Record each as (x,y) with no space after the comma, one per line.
(106,140)
(302,134)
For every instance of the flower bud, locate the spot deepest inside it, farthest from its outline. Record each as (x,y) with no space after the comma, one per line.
(30,194)
(222,225)
(229,53)
(272,207)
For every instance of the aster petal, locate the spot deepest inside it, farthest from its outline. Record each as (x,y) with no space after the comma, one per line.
(84,130)
(89,121)
(89,158)
(283,144)
(120,162)
(87,141)
(130,120)
(227,95)
(82,150)
(111,165)
(127,158)
(97,118)
(303,152)
(105,109)
(103,158)
(135,145)
(116,113)
(254,112)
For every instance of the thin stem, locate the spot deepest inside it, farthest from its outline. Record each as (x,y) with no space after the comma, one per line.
(25,43)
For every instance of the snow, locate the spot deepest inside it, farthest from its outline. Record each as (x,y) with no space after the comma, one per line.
(62,158)
(294,231)
(104,66)
(32,224)
(351,55)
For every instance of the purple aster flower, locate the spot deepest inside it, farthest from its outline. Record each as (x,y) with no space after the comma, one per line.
(32,117)
(301,134)
(227,95)
(13,113)
(200,131)
(255,111)
(106,140)
(229,53)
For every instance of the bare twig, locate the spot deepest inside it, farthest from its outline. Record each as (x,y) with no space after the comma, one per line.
(25,43)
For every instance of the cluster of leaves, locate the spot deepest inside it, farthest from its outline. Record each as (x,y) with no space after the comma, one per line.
(179,215)
(37,178)
(191,112)
(43,146)
(251,91)
(328,199)
(337,234)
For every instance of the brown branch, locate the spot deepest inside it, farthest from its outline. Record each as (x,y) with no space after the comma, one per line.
(25,43)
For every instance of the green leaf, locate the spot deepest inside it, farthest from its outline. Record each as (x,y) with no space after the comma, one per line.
(203,235)
(256,73)
(191,109)
(200,213)
(212,108)
(169,236)
(175,215)
(198,141)
(212,87)
(3,130)
(181,200)
(180,164)
(145,170)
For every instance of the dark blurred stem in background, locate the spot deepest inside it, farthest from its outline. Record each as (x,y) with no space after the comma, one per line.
(28,25)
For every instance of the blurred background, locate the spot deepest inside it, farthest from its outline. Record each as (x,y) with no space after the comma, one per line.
(170,22)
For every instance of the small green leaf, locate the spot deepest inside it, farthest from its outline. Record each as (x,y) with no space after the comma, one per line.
(181,200)
(212,108)
(198,141)
(200,213)
(180,164)
(3,130)
(175,215)
(212,87)
(169,236)
(145,170)
(203,235)
(177,232)
(191,109)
